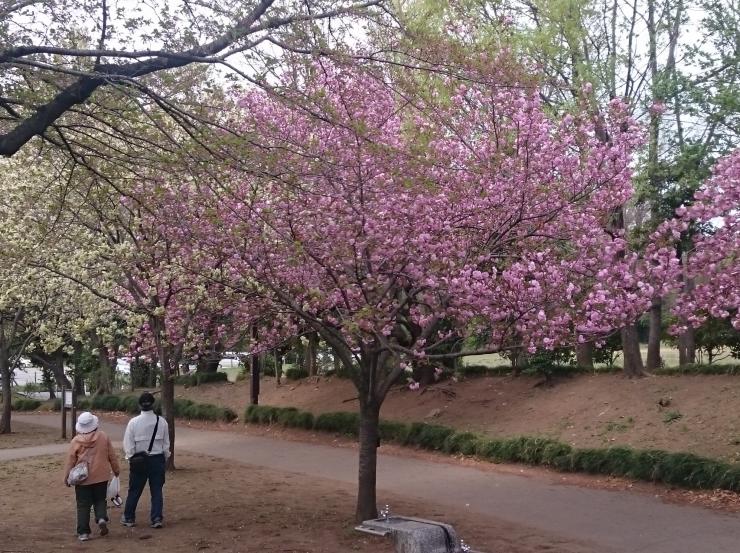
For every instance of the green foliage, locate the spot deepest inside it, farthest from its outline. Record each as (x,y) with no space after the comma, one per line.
(461,442)
(679,469)
(392,431)
(295,373)
(342,423)
(286,416)
(428,436)
(183,408)
(24,404)
(196,378)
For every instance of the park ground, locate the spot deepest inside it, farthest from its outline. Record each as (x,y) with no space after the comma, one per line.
(695,414)
(217,505)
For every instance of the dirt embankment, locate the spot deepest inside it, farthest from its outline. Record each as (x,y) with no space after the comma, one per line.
(697,414)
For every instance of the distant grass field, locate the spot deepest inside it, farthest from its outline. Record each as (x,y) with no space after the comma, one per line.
(668,353)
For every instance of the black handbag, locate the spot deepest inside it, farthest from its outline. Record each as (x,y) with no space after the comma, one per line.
(137,462)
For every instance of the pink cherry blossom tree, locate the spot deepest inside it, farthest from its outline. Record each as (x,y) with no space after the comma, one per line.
(711,273)
(376,208)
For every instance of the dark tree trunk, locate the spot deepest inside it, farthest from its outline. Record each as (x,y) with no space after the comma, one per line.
(104,370)
(79,385)
(168,361)
(366,483)
(687,348)
(585,355)
(5,378)
(208,363)
(423,373)
(312,350)
(655,333)
(278,367)
(633,366)
(55,364)
(48,379)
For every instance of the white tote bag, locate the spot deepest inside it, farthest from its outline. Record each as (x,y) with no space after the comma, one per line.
(114,491)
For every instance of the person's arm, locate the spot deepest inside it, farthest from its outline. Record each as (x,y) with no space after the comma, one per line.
(70,462)
(166,440)
(129,443)
(113,458)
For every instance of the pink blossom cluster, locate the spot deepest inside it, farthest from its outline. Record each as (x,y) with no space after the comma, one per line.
(711,276)
(375,212)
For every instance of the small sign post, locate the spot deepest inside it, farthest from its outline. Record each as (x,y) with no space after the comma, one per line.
(67,403)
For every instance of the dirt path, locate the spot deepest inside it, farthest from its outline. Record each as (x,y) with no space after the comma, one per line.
(608,520)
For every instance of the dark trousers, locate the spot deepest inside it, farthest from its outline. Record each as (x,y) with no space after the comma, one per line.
(153,471)
(92,495)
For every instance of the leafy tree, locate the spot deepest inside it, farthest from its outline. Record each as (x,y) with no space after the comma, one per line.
(52,71)
(468,205)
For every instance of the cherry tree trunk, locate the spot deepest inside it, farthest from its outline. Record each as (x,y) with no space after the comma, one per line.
(104,371)
(7,397)
(633,366)
(366,494)
(687,348)
(585,355)
(311,354)
(167,362)
(655,332)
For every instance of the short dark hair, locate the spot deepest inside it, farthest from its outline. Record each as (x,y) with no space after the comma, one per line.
(146,401)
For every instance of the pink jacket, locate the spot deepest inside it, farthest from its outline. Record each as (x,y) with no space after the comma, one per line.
(97,450)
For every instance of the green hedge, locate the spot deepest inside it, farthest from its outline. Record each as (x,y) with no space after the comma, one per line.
(295,373)
(25,404)
(184,408)
(678,469)
(196,378)
(286,416)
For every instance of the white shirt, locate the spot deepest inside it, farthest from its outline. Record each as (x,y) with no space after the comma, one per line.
(139,433)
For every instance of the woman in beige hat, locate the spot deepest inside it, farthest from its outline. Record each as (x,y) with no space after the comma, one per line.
(94,447)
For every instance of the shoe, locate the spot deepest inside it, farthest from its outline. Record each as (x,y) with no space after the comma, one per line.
(157,524)
(128,523)
(83,537)
(103,525)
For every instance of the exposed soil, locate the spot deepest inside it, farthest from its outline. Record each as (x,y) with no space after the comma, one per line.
(698,413)
(219,506)
(26,435)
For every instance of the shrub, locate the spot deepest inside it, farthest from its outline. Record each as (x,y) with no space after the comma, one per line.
(196,378)
(25,404)
(130,404)
(292,418)
(393,431)
(342,423)
(57,405)
(84,404)
(428,436)
(460,442)
(295,373)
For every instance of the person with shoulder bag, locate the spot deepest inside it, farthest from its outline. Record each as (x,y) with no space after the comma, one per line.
(90,460)
(146,444)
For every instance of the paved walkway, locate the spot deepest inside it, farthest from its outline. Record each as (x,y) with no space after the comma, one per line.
(618,522)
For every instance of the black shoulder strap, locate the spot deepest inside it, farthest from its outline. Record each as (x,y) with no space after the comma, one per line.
(154,434)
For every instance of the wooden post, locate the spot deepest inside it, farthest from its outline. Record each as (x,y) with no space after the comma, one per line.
(64,413)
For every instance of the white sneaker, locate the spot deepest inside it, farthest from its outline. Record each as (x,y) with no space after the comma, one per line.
(83,537)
